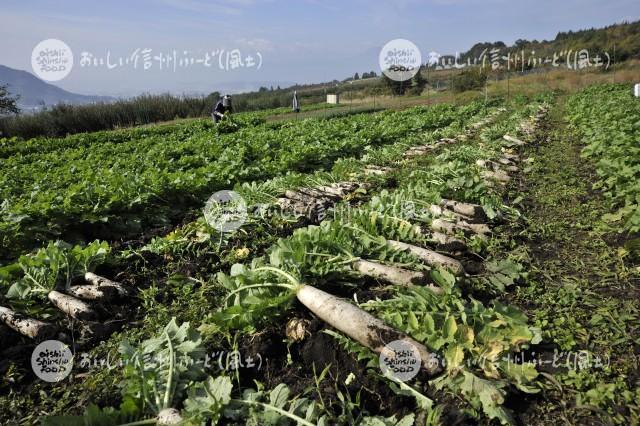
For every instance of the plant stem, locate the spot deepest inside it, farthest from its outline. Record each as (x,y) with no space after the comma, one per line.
(141,422)
(288,276)
(277,410)
(168,391)
(145,393)
(419,396)
(263,285)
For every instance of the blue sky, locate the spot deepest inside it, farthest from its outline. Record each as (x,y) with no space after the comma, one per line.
(300,41)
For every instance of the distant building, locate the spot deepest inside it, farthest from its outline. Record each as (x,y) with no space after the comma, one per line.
(333,99)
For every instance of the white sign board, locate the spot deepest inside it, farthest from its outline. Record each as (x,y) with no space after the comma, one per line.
(636,90)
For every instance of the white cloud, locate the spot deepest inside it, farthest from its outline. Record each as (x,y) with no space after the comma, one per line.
(260,44)
(230,8)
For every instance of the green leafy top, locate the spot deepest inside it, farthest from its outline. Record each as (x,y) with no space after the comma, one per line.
(51,267)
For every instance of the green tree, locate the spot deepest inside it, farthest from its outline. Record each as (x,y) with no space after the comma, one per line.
(356,77)
(396,88)
(214,96)
(8,102)
(469,79)
(418,82)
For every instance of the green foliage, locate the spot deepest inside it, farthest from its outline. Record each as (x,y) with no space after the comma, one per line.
(471,336)
(499,275)
(207,399)
(166,371)
(63,119)
(7,102)
(580,287)
(276,407)
(476,342)
(607,118)
(330,247)
(95,416)
(625,36)
(119,183)
(51,267)
(470,79)
(160,370)
(394,87)
(418,83)
(256,298)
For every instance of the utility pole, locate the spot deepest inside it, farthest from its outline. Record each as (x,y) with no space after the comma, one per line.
(614,62)
(486,95)
(350,95)
(428,83)
(325,101)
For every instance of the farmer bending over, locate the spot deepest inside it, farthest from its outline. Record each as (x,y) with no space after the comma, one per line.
(222,107)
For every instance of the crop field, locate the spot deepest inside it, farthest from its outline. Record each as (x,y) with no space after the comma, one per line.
(495,243)
(119,183)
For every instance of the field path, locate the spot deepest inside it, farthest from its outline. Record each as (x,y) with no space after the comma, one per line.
(580,292)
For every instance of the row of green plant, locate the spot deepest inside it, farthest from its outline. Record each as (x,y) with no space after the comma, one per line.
(27,282)
(289,110)
(26,289)
(606,116)
(65,119)
(590,322)
(112,184)
(28,296)
(182,129)
(473,338)
(261,197)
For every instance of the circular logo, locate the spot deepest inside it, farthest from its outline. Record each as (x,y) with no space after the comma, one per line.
(400,359)
(400,59)
(52,60)
(225,211)
(52,361)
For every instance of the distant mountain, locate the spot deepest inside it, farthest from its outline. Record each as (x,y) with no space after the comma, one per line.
(33,91)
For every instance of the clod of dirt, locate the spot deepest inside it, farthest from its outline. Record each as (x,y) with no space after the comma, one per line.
(297,329)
